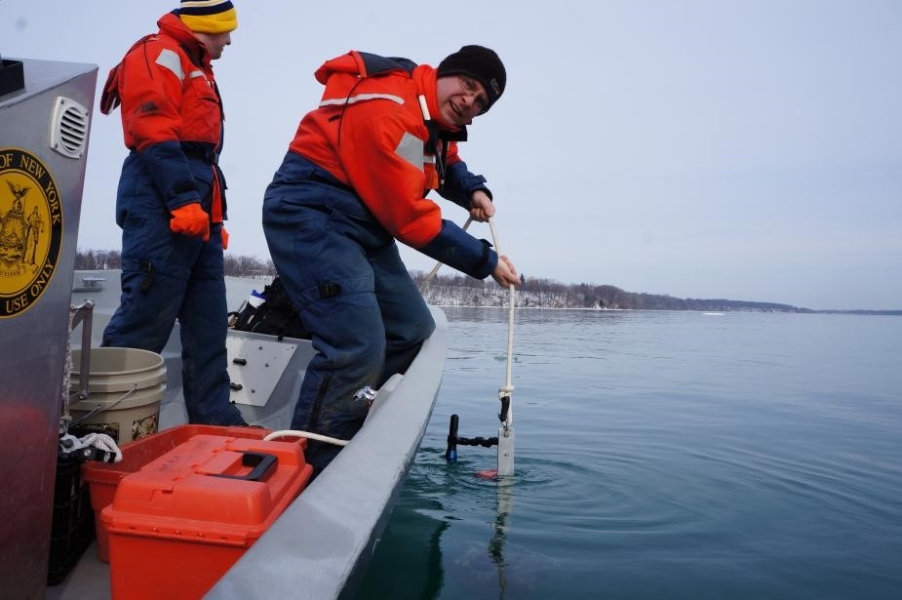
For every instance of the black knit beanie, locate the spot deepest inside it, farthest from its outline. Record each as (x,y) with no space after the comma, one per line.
(480,63)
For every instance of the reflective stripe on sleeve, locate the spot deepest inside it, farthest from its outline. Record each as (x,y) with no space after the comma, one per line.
(170,60)
(361,98)
(410,148)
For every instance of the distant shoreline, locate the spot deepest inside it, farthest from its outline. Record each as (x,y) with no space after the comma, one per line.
(883,313)
(463,291)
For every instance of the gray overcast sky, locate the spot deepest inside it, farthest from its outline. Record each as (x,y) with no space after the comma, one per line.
(698,148)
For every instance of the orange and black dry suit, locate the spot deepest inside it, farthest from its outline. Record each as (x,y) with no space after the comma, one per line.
(172,122)
(370,132)
(353,181)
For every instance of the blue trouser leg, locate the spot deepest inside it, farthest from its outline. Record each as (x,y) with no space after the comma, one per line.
(205,377)
(345,277)
(167,276)
(144,318)
(405,316)
(347,332)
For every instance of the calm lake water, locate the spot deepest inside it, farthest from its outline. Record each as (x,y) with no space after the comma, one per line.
(660,455)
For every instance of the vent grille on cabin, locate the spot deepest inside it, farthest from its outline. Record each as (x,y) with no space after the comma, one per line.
(69,128)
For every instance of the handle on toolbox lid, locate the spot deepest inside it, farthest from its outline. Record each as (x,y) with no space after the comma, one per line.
(261,462)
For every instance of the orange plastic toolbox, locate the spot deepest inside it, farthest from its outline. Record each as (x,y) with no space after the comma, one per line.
(178,523)
(103,478)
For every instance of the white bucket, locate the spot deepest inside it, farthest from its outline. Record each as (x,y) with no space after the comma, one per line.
(125,388)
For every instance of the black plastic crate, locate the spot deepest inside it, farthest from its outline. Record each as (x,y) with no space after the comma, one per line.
(73,519)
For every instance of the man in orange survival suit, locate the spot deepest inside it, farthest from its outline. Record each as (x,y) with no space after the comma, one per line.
(353,182)
(171,201)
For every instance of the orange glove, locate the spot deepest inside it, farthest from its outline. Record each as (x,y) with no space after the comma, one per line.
(225,239)
(191,219)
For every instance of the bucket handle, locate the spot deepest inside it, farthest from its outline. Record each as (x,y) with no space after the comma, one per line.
(100,408)
(261,462)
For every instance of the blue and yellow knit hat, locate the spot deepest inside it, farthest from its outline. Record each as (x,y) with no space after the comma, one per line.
(208,16)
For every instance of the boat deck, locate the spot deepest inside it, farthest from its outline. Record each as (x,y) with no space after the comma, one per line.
(320,546)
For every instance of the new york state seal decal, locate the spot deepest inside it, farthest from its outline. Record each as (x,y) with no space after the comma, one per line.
(31,230)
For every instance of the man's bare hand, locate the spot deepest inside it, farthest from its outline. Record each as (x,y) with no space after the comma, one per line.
(481,207)
(505,273)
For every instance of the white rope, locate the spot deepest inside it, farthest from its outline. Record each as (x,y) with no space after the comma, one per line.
(305,434)
(104,442)
(508,387)
(70,444)
(506,431)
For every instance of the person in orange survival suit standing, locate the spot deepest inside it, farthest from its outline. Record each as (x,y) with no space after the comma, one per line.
(171,201)
(353,181)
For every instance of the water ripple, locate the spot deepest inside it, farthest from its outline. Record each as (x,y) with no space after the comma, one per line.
(662,455)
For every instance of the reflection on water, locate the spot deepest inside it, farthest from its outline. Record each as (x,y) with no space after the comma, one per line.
(402,569)
(503,490)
